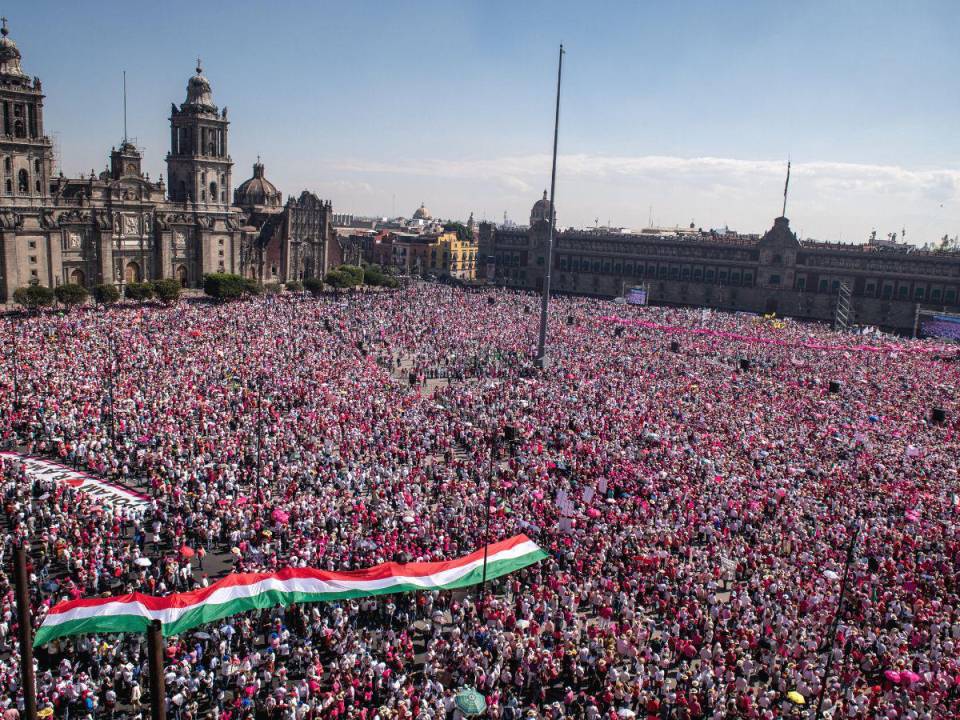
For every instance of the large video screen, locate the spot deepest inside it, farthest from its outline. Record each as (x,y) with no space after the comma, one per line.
(946,327)
(636,296)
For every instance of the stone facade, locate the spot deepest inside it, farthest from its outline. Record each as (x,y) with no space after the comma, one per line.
(119,226)
(773,273)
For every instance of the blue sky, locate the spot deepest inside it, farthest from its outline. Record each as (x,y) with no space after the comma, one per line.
(681,111)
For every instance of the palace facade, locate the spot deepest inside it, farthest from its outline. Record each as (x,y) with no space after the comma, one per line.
(880,285)
(119,226)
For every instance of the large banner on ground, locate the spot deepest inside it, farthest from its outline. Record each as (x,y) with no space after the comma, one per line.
(251,591)
(110,494)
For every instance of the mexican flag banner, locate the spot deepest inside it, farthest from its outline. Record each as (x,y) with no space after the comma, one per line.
(249,591)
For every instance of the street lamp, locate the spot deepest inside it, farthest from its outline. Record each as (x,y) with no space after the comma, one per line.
(15,363)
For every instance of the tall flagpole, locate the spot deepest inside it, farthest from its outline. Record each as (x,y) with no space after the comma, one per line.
(541,359)
(786,187)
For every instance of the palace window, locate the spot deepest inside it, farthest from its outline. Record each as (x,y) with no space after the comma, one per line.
(950,296)
(824,284)
(935,295)
(23,181)
(904,292)
(774,279)
(919,293)
(801,283)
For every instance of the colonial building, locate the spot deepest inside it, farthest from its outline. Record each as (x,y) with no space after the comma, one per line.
(450,253)
(773,273)
(289,242)
(119,226)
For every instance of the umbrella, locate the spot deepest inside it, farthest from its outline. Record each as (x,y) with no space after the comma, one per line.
(187,552)
(892,675)
(200,635)
(470,702)
(831,574)
(795,697)
(143,562)
(235,551)
(523,624)
(280,516)
(408,519)
(626,712)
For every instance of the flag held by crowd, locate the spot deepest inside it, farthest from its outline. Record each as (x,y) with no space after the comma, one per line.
(250,591)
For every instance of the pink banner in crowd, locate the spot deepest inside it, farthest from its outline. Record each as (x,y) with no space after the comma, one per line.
(884,348)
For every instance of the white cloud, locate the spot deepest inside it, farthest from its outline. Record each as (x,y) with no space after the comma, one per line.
(831,200)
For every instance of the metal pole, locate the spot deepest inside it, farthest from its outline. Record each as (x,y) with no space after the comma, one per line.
(486,532)
(27,682)
(541,359)
(158,692)
(836,618)
(110,370)
(16,362)
(259,437)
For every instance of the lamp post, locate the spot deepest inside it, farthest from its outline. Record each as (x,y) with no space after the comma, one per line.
(259,437)
(510,436)
(114,358)
(15,362)
(851,552)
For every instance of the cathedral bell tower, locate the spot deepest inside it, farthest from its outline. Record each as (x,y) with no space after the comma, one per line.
(26,153)
(198,166)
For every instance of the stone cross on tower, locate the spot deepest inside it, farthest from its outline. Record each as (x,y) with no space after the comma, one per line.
(5,31)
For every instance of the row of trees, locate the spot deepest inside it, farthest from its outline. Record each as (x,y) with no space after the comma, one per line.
(221,286)
(35,296)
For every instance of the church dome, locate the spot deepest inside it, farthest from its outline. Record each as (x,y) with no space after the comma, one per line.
(540,211)
(257,191)
(199,93)
(9,55)
(422,213)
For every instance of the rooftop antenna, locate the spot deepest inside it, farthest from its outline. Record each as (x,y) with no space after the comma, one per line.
(786,187)
(124,107)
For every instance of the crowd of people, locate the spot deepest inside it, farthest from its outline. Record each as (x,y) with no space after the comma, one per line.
(703,516)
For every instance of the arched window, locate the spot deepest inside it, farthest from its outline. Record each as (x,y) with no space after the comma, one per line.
(78,278)
(37,186)
(213,192)
(18,129)
(7,165)
(181,274)
(23,181)
(183,190)
(203,196)
(9,187)
(36,166)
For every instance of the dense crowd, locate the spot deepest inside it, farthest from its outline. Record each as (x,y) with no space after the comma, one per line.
(700,517)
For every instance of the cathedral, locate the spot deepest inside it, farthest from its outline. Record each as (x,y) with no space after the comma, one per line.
(119,226)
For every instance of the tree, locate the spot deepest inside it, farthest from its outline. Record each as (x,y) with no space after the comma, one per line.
(272,288)
(106,294)
(252,287)
(167,290)
(338,279)
(138,291)
(314,286)
(354,274)
(223,286)
(71,294)
(295,286)
(462,231)
(33,296)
